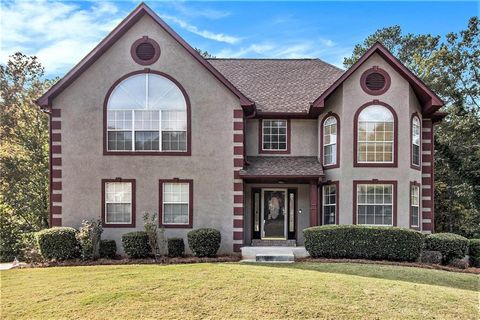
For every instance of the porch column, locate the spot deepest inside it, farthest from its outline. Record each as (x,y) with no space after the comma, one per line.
(313,204)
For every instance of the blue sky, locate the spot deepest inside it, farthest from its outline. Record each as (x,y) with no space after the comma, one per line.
(61,33)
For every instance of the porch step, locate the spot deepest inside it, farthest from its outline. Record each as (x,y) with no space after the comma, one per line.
(275,257)
(251,253)
(273,243)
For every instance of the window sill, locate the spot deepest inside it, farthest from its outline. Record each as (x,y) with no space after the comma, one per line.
(375,165)
(147,153)
(176,226)
(118,225)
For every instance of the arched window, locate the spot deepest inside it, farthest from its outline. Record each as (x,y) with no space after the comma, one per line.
(375,140)
(147,112)
(416,133)
(330,141)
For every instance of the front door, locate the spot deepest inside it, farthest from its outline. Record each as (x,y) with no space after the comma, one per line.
(274,214)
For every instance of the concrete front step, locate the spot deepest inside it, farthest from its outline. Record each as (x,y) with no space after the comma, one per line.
(250,253)
(273,243)
(275,258)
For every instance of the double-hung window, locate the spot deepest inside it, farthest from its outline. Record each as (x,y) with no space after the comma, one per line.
(176,203)
(118,203)
(330,141)
(147,113)
(416,137)
(414,206)
(329,203)
(375,204)
(274,135)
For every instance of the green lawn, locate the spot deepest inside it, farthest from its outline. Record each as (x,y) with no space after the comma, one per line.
(233,290)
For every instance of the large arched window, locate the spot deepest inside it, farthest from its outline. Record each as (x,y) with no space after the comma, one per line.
(375,135)
(147,112)
(416,134)
(329,139)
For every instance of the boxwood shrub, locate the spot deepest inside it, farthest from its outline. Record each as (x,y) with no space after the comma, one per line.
(59,243)
(108,249)
(452,246)
(176,247)
(363,242)
(135,244)
(204,242)
(474,252)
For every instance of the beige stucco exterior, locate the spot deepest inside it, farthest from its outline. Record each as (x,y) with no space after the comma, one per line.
(211,163)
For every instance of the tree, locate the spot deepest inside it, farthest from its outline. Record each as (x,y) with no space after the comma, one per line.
(451,68)
(24,182)
(204,54)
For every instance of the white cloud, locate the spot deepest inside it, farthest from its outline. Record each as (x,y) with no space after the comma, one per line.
(198,12)
(220,37)
(60,34)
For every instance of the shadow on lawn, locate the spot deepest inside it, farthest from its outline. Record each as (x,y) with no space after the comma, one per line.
(398,273)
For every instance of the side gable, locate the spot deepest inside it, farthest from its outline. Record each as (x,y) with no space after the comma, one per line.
(429,100)
(46,99)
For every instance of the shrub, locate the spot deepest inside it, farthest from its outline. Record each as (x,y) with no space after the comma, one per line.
(363,242)
(136,244)
(176,247)
(10,240)
(89,239)
(204,242)
(29,249)
(150,224)
(459,263)
(108,249)
(59,243)
(474,252)
(452,246)
(431,257)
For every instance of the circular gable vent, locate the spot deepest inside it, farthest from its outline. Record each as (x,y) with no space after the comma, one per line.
(145,51)
(375,81)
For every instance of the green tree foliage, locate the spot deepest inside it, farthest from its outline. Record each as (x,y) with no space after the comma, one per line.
(204,54)
(451,67)
(24,182)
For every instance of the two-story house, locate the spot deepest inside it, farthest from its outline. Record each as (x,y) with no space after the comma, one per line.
(257,148)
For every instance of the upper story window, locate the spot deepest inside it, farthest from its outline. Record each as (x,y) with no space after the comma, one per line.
(147,112)
(375,135)
(329,139)
(416,139)
(274,136)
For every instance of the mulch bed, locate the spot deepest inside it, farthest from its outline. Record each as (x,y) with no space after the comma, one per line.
(123,261)
(392,263)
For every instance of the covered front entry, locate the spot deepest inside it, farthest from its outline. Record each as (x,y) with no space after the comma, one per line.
(274,213)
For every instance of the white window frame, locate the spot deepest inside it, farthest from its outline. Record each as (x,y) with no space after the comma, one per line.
(392,204)
(419,141)
(180,202)
(160,127)
(325,125)
(324,204)
(286,134)
(384,142)
(115,202)
(412,205)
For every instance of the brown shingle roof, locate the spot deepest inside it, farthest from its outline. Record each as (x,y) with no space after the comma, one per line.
(279,85)
(282,166)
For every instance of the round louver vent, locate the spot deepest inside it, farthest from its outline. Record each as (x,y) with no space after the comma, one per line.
(145,51)
(375,81)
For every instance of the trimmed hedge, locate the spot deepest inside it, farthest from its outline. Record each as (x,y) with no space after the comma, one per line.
(204,242)
(431,257)
(176,247)
(452,246)
(474,252)
(108,249)
(363,242)
(59,243)
(136,244)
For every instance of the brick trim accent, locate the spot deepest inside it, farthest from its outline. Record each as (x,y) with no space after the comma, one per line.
(427,151)
(55,167)
(238,153)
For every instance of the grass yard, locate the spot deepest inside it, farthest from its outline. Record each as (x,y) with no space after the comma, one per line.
(233,290)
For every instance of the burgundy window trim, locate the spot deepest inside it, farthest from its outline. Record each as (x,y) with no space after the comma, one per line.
(414,166)
(337,161)
(133,51)
(394,164)
(190,203)
(366,73)
(415,183)
(337,200)
(375,181)
(260,138)
(188,152)
(134,195)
